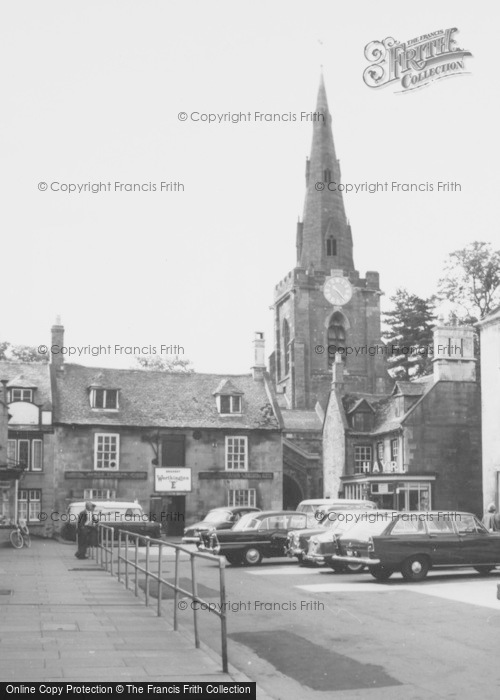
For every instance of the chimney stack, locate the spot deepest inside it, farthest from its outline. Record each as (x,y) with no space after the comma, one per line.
(259,356)
(453,354)
(57,357)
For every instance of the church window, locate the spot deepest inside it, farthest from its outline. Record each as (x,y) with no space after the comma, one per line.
(286,346)
(327,175)
(336,338)
(331,246)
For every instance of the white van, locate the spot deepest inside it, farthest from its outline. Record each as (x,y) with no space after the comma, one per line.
(122,515)
(327,504)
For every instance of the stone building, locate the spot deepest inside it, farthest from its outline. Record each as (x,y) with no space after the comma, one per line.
(489,329)
(418,447)
(321,307)
(180,444)
(27,445)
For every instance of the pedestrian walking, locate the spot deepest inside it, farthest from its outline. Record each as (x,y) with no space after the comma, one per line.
(86,530)
(491,519)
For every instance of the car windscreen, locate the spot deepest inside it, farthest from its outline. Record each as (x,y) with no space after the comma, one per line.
(218,516)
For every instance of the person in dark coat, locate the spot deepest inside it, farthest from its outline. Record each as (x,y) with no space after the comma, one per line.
(86,530)
(491,519)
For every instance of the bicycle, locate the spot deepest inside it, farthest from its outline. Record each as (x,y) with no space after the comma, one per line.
(20,537)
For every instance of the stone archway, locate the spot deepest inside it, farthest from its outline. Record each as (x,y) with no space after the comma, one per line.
(292,493)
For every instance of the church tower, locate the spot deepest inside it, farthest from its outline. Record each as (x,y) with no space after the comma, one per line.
(309,327)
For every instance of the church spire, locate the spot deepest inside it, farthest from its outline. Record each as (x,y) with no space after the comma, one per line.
(325,236)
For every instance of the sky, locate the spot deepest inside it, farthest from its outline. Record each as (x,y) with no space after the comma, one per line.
(92,93)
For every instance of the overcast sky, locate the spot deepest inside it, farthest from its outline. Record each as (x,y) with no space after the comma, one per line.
(91,93)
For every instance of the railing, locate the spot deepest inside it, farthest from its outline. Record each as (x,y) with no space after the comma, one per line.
(128,542)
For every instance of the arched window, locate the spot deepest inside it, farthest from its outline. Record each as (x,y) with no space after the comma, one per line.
(286,348)
(331,246)
(336,337)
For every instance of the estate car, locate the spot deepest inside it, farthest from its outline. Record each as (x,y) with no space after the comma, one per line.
(415,542)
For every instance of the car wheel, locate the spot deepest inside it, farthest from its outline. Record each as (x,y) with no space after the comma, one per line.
(233,559)
(252,557)
(484,570)
(355,568)
(415,568)
(380,573)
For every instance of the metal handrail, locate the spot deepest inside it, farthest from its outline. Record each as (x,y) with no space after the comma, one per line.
(105,557)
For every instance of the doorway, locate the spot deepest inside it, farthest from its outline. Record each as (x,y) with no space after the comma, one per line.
(170,512)
(292,493)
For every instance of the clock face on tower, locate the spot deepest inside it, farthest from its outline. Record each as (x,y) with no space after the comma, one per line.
(337,290)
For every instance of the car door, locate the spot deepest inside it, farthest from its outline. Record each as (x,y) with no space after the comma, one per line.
(444,542)
(477,545)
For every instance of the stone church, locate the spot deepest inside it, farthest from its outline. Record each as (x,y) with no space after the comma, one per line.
(348,428)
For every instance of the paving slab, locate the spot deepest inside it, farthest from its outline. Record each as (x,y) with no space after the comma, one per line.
(72,620)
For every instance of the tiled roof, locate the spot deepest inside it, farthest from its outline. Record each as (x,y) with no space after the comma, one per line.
(159,399)
(227,388)
(301,420)
(29,375)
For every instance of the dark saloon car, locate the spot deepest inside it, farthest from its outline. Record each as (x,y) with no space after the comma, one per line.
(255,536)
(415,542)
(298,540)
(216,519)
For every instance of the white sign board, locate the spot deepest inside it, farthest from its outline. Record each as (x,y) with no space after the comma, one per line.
(172,479)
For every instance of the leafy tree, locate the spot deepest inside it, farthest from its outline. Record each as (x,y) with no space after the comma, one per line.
(165,364)
(21,353)
(471,280)
(409,335)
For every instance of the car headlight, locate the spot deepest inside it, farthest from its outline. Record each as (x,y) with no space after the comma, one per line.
(313,546)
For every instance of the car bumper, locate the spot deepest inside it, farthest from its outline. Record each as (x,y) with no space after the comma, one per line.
(314,559)
(209,550)
(191,539)
(366,561)
(294,552)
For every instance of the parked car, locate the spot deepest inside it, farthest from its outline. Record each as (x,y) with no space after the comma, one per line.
(255,536)
(334,520)
(216,519)
(323,545)
(415,542)
(317,507)
(120,515)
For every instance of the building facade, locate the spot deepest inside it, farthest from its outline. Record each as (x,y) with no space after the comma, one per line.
(27,485)
(489,329)
(180,444)
(420,446)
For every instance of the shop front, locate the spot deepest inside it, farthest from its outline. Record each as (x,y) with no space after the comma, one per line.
(392,491)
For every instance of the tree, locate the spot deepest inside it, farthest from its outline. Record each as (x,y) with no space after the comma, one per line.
(409,335)
(165,364)
(21,353)
(472,280)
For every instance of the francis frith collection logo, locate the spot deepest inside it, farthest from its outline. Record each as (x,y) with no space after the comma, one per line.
(415,63)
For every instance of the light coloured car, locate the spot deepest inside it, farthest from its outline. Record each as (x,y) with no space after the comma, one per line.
(121,515)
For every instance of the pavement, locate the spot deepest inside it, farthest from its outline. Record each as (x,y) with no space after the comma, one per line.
(64,618)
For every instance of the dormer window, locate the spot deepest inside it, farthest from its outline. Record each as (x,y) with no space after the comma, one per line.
(228,398)
(20,395)
(104,398)
(229,404)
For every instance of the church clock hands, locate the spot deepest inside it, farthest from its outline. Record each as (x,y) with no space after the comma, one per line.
(337,290)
